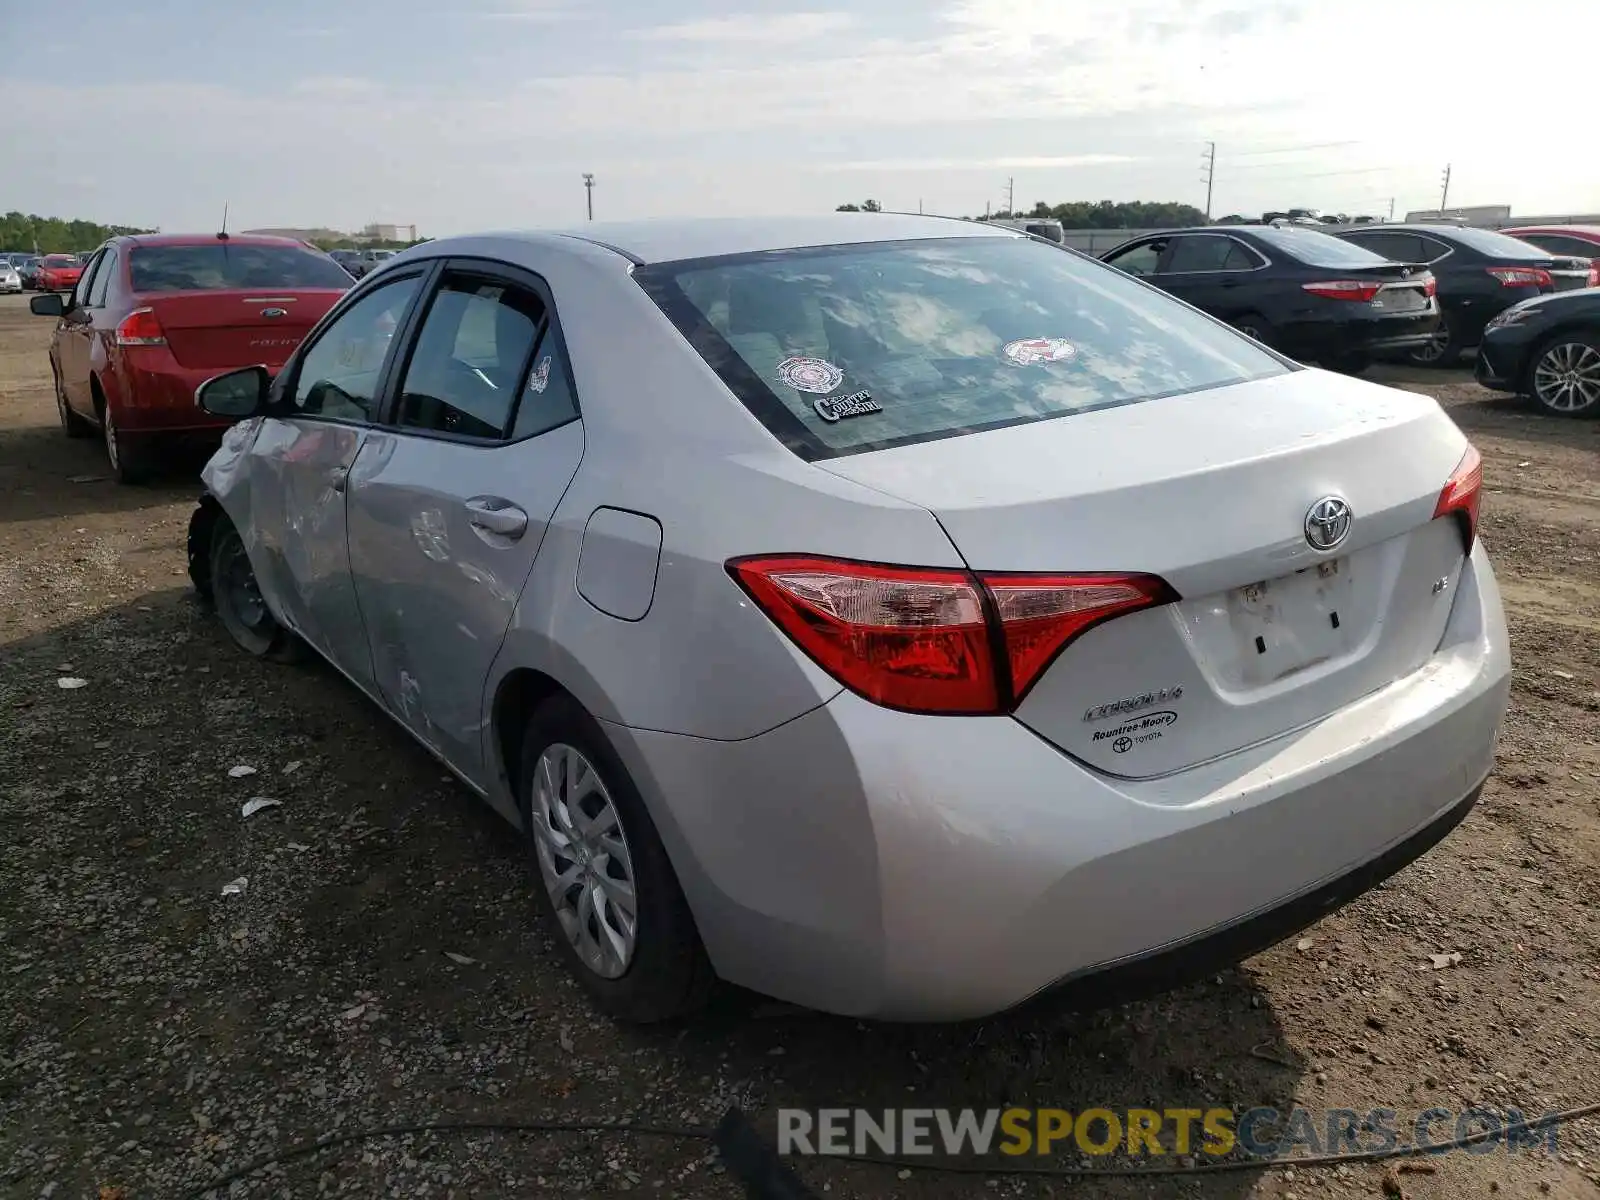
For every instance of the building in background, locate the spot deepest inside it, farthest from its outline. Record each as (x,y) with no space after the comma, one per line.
(390,233)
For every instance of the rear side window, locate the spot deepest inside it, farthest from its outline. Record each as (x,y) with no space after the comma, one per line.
(471,358)
(210,267)
(102,279)
(1317,249)
(845,349)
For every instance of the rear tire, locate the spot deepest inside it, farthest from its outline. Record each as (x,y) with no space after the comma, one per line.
(232,590)
(73,425)
(1254,325)
(128,465)
(1441,351)
(592,844)
(1564,375)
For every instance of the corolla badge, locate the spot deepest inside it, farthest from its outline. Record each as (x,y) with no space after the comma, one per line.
(1327,523)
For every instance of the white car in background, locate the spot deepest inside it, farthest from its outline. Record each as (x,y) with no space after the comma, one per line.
(10,280)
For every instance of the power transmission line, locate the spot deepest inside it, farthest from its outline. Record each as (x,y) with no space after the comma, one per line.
(1293,149)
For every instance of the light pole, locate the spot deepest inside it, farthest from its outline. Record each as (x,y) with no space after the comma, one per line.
(588,187)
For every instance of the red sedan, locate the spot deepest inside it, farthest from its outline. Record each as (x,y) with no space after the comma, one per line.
(156,315)
(1580,240)
(58,273)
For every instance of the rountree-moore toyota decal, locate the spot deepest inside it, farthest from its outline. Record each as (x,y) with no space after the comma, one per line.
(1031,351)
(815,375)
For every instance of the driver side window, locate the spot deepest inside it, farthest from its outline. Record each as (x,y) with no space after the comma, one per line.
(80,294)
(338,377)
(1139,260)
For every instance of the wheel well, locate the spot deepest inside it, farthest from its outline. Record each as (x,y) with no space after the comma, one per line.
(201,525)
(99,395)
(521,692)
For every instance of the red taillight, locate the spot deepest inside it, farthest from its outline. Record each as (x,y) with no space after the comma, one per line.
(925,640)
(1430,286)
(1522,276)
(1463,493)
(141,328)
(1594,277)
(1344,289)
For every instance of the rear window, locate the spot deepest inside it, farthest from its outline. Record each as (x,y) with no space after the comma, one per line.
(1317,249)
(839,350)
(205,268)
(59,260)
(1495,245)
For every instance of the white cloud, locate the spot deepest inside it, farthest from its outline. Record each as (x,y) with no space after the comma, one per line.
(751,29)
(1016,163)
(1103,97)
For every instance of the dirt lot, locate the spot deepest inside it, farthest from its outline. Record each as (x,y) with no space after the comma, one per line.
(154,1032)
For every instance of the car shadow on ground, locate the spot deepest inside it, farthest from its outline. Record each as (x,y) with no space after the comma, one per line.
(43,474)
(382,962)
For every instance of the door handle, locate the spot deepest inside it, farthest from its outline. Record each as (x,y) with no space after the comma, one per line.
(494,515)
(337,478)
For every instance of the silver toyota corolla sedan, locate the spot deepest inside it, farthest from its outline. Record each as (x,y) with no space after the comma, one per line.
(903,617)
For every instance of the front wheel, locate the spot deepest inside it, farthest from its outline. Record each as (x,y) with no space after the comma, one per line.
(1253,325)
(1565,378)
(607,891)
(234,592)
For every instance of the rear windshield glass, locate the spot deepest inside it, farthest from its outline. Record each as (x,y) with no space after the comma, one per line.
(843,349)
(1496,245)
(203,268)
(59,260)
(1320,249)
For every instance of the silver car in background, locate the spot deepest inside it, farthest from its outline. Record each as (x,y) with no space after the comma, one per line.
(897,616)
(10,277)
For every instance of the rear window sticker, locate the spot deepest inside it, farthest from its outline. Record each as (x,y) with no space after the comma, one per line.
(540,378)
(837,408)
(816,375)
(1032,351)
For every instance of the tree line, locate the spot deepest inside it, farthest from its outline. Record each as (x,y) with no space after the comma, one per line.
(55,235)
(1084,214)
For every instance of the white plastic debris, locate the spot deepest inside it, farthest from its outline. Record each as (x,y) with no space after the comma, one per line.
(1563,674)
(256,803)
(298,848)
(350,1014)
(240,771)
(1441,962)
(64,668)
(236,887)
(1303,945)
(291,768)
(71,683)
(461,960)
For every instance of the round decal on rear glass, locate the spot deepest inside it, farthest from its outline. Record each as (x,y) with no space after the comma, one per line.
(1030,351)
(816,375)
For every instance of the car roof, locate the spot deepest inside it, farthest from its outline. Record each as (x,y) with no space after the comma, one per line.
(206,239)
(710,237)
(1592,231)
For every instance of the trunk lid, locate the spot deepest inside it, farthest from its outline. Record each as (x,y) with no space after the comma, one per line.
(1402,287)
(223,328)
(1212,492)
(1569,274)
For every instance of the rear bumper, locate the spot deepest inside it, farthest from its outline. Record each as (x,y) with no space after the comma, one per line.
(157,397)
(921,868)
(1320,339)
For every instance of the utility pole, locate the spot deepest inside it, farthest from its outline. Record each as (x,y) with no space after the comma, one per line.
(1444,200)
(588,187)
(1391,208)
(1011,196)
(985,210)
(1211,173)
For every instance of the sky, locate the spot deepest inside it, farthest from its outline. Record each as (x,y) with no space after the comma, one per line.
(484,114)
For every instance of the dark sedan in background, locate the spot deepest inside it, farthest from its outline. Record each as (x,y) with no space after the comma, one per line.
(1547,349)
(1298,290)
(1480,274)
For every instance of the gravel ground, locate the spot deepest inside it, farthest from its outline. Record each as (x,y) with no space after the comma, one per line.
(381,965)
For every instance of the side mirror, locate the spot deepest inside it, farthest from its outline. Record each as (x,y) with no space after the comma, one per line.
(237,395)
(47,304)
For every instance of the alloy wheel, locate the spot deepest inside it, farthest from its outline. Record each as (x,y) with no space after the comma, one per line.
(584,860)
(1567,378)
(1434,349)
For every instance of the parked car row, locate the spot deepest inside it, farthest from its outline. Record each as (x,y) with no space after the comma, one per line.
(1425,293)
